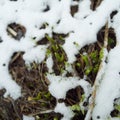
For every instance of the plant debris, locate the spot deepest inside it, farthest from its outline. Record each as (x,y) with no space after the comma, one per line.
(15,30)
(35,94)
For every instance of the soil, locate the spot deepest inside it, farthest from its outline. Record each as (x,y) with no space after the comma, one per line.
(35,97)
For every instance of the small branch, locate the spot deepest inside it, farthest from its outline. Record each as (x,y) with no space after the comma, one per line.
(12,32)
(106,36)
(98,3)
(15,57)
(15,108)
(95,4)
(41,112)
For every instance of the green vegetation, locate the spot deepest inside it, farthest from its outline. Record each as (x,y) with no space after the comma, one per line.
(76,107)
(42,95)
(89,62)
(58,54)
(110,41)
(55,118)
(117,107)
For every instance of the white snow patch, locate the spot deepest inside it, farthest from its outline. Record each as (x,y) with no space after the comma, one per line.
(110,86)
(64,110)
(84,9)
(63,84)
(49,63)
(36,54)
(28,118)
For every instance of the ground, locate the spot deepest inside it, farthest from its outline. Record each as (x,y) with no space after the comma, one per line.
(36,100)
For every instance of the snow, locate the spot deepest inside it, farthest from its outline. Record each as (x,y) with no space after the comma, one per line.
(66,83)
(110,84)
(66,111)
(82,29)
(36,54)
(84,9)
(28,118)
(111,80)
(49,63)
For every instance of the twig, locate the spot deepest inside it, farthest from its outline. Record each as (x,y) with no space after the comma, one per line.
(98,3)
(95,4)
(41,112)
(12,32)
(42,74)
(96,83)
(15,57)
(14,107)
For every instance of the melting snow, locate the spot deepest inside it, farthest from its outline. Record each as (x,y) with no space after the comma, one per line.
(82,29)
(66,83)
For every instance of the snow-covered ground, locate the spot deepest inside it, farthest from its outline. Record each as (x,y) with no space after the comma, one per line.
(82,29)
